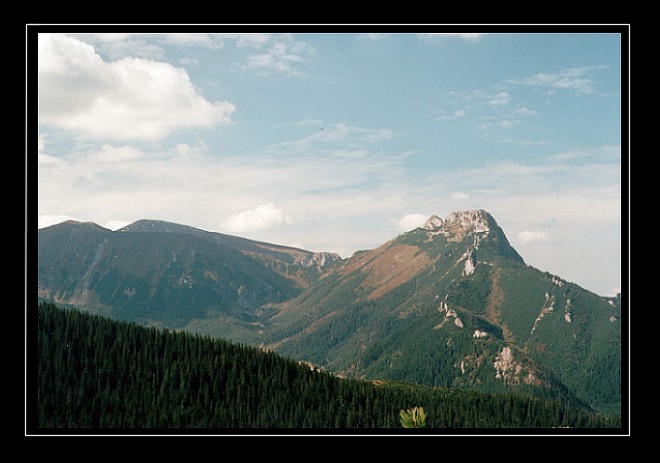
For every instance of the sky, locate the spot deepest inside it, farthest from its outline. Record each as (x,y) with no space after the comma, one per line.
(339,142)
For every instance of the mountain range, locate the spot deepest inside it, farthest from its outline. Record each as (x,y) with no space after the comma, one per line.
(448,304)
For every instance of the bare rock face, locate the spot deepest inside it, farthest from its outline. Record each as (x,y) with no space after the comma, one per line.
(476,220)
(432,223)
(458,224)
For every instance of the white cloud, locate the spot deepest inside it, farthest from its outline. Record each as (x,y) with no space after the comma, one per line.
(459,196)
(339,134)
(262,217)
(507,123)
(128,99)
(283,56)
(533,236)
(572,78)
(45,159)
(443,116)
(500,99)
(490,109)
(607,152)
(471,37)
(109,153)
(118,45)
(524,111)
(412,221)
(329,179)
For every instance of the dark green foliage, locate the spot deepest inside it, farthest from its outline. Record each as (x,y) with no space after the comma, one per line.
(98,373)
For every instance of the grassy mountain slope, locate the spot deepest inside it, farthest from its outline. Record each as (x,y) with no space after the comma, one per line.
(453,304)
(160,278)
(302,267)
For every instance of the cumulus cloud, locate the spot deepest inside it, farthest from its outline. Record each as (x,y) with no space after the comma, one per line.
(127,99)
(262,217)
(412,221)
(533,236)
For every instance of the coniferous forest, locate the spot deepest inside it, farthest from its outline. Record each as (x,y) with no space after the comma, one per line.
(99,373)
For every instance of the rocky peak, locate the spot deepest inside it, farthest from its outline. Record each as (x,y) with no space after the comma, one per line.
(479,225)
(432,223)
(478,221)
(474,220)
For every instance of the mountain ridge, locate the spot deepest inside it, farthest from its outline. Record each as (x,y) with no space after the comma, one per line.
(458,296)
(450,303)
(289,254)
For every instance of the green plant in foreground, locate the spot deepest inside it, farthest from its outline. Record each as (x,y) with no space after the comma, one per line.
(413,418)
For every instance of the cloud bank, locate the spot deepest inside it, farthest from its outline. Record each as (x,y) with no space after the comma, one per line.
(128,99)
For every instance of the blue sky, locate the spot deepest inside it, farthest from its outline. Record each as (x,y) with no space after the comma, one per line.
(339,142)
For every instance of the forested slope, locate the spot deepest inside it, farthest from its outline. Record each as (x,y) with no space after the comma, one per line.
(98,373)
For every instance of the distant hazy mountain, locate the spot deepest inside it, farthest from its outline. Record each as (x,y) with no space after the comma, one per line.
(161,273)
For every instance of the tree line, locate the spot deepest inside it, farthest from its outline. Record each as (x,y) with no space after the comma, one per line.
(93,372)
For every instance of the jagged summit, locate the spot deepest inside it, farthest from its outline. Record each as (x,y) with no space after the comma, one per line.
(477,223)
(478,220)
(432,223)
